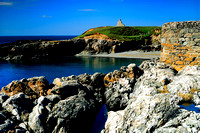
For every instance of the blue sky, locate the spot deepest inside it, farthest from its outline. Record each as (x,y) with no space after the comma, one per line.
(73,17)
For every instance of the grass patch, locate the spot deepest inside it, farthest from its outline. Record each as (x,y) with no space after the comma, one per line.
(136,33)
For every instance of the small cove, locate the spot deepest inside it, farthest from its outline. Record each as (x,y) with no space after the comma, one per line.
(68,66)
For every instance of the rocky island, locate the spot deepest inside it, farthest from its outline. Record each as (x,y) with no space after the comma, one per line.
(145,98)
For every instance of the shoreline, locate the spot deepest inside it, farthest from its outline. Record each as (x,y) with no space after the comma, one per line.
(127,54)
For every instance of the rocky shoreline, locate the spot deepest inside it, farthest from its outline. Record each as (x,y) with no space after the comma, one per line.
(139,99)
(45,51)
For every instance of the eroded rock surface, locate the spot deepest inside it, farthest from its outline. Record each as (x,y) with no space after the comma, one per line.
(153,104)
(139,99)
(33,87)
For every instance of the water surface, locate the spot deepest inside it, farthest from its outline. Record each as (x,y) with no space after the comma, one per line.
(69,66)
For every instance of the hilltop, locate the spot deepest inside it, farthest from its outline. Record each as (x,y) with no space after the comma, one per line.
(136,33)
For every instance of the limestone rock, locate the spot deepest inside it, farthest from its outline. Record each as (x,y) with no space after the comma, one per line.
(33,87)
(37,118)
(118,94)
(186,84)
(19,105)
(143,114)
(181,121)
(131,71)
(71,114)
(154,79)
(67,88)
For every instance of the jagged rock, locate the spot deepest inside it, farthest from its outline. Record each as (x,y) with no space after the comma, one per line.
(118,94)
(181,121)
(97,46)
(40,51)
(97,80)
(143,114)
(67,88)
(145,99)
(33,87)
(154,79)
(7,125)
(3,98)
(84,78)
(120,85)
(37,118)
(19,105)
(94,83)
(74,114)
(131,71)
(186,84)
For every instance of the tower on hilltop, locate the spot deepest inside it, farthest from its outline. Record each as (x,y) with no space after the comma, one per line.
(119,23)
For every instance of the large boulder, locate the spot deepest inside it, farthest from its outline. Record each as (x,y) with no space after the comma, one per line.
(118,94)
(19,105)
(130,71)
(143,114)
(74,114)
(120,84)
(37,118)
(155,78)
(33,87)
(187,84)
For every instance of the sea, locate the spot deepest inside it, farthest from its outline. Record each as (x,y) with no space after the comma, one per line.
(9,39)
(69,66)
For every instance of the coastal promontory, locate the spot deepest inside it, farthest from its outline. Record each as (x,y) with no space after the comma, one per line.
(157,96)
(109,39)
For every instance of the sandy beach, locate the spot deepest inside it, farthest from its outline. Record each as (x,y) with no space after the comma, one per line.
(129,54)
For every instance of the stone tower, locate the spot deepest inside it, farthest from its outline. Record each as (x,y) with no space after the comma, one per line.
(119,23)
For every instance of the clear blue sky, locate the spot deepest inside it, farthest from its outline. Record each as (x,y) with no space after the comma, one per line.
(73,17)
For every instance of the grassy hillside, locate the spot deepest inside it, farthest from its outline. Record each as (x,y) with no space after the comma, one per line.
(124,33)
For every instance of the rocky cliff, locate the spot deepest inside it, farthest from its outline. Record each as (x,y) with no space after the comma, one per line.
(45,51)
(139,99)
(39,51)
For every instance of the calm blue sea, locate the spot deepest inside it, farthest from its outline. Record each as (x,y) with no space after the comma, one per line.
(9,39)
(69,66)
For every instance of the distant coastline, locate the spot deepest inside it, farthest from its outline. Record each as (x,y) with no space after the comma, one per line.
(10,39)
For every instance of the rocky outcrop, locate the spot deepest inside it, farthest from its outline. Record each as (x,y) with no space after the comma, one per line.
(48,51)
(99,45)
(40,51)
(71,101)
(139,99)
(32,87)
(120,85)
(154,102)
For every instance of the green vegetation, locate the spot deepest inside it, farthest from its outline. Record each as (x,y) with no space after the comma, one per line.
(124,33)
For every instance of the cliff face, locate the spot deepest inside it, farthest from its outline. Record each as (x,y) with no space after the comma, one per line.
(98,46)
(45,51)
(40,51)
(181,43)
